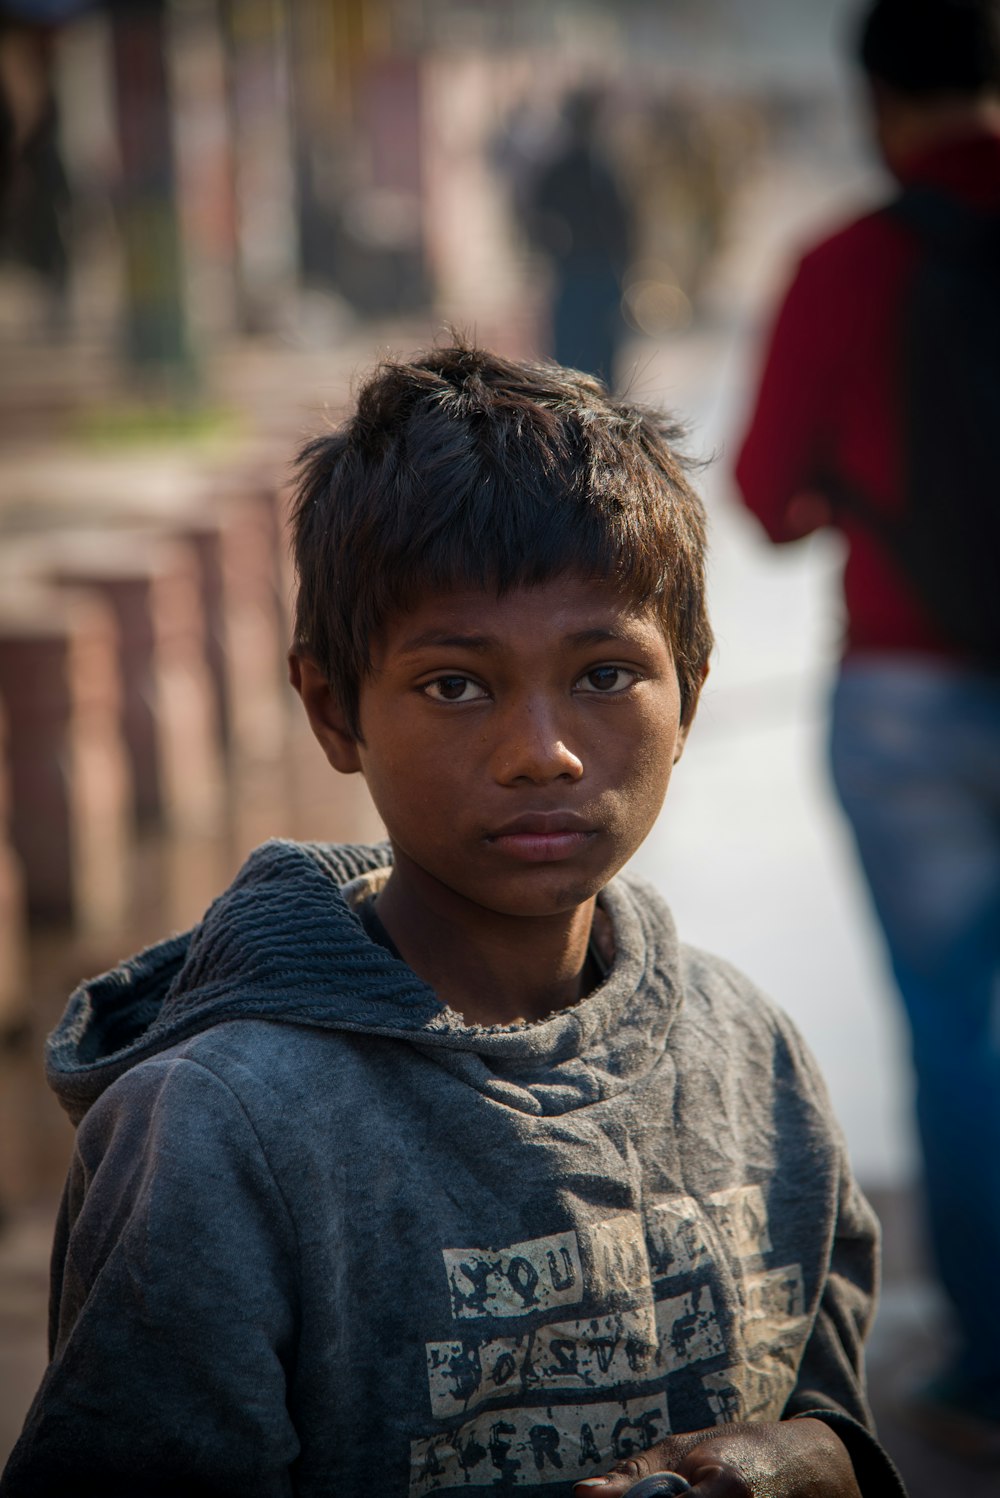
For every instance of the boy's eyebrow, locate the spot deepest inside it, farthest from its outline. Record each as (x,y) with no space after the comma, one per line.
(439,637)
(451,641)
(595,636)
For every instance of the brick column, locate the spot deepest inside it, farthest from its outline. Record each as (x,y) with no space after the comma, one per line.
(66,772)
(168,713)
(242,583)
(13,977)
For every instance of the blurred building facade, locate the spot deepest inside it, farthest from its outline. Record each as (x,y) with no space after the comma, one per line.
(180,171)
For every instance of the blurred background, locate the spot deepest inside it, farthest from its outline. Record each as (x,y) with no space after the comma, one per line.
(213,215)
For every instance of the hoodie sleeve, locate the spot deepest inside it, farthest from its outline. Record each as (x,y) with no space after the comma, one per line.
(174,1316)
(832,1369)
(831,1381)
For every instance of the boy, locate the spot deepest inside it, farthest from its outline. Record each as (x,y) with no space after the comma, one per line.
(441,1165)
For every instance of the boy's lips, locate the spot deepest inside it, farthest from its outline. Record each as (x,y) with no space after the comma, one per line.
(542,836)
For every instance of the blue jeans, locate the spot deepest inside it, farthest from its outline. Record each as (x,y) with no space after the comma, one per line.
(916,762)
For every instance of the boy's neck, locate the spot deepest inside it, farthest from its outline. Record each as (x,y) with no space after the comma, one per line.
(491,968)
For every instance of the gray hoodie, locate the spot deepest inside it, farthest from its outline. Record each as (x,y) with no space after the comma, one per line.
(319,1236)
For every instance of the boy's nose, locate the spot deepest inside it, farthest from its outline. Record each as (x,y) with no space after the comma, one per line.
(532,748)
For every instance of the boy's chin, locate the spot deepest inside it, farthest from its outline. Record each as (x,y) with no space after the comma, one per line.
(530,896)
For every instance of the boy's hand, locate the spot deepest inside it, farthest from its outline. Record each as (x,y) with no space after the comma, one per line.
(789,1459)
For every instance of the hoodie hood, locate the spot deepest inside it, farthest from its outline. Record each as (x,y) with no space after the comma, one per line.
(282,943)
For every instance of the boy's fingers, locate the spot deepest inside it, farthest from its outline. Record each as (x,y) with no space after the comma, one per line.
(655,1485)
(660,1485)
(711,1480)
(610,1486)
(659,1462)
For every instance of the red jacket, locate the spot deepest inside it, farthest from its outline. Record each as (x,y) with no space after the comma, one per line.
(829,397)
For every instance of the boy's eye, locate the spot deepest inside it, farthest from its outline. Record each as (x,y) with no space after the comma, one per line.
(607,679)
(454,689)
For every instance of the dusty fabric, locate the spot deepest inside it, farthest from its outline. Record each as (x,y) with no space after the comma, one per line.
(319,1235)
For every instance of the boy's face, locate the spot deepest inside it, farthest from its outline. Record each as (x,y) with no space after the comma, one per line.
(518,749)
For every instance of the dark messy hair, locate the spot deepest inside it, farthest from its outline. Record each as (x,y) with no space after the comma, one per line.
(928,47)
(460,468)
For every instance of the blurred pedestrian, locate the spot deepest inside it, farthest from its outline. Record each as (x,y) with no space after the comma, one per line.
(579,217)
(879,413)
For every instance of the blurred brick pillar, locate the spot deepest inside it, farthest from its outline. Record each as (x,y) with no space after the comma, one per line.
(242,583)
(66,772)
(168,714)
(13,992)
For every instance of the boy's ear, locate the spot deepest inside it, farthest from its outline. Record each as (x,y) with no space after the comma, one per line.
(326,716)
(692,708)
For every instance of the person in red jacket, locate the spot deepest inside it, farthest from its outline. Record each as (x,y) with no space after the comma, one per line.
(916,718)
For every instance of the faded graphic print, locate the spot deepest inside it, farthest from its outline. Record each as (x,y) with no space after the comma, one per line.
(655,1278)
(514,1281)
(518,1447)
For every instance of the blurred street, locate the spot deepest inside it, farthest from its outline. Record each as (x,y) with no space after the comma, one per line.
(750,850)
